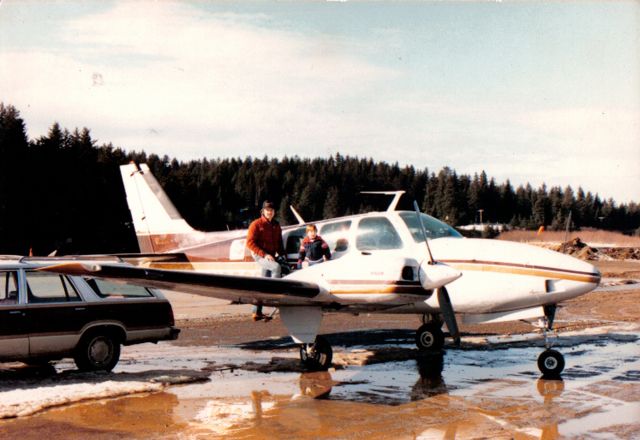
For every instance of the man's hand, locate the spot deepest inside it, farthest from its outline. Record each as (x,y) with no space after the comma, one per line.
(269,257)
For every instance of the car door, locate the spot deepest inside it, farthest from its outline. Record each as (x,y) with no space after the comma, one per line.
(56,314)
(14,328)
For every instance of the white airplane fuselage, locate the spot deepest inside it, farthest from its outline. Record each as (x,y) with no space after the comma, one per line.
(380,261)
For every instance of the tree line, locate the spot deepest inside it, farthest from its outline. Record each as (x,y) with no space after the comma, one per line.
(63,192)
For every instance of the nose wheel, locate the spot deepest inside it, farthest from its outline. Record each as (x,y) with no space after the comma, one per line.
(551,363)
(316,356)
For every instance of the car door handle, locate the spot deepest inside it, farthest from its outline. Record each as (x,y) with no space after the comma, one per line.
(16,312)
(80,309)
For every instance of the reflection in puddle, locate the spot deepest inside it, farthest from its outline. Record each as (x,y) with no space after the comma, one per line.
(465,393)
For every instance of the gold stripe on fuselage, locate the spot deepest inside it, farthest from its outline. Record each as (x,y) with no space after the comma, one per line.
(527,271)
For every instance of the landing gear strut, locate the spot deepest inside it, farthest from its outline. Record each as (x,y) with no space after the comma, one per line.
(316,356)
(550,362)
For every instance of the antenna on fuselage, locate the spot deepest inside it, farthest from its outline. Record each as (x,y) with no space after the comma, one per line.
(424,230)
(396,197)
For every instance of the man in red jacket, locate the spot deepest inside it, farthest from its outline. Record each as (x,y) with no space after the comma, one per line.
(264,240)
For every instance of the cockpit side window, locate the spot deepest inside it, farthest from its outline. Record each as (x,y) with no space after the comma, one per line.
(335,234)
(433,227)
(377,233)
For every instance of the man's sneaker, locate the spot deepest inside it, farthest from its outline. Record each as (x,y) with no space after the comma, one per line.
(258,316)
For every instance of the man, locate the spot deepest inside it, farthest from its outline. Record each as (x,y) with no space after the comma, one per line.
(264,240)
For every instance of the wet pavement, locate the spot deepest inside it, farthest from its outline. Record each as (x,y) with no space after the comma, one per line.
(477,391)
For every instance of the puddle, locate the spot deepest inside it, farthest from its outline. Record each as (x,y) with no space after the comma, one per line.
(462,393)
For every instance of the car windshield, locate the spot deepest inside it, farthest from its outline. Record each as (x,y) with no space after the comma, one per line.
(434,227)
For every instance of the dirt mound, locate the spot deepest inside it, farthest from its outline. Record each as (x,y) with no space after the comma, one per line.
(579,249)
(622,253)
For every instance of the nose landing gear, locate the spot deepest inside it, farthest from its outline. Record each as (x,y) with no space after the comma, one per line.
(550,362)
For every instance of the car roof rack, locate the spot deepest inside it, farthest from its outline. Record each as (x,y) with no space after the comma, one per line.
(33,259)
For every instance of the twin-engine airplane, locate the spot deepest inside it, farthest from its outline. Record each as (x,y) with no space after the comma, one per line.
(387,262)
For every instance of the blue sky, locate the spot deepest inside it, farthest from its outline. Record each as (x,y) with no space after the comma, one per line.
(529,91)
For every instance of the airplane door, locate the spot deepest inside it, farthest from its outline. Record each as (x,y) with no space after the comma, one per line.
(14,328)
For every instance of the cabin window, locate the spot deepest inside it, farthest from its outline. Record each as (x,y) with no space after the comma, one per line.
(377,233)
(433,227)
(9,286)
(47,287)
(335,234)
(292,246)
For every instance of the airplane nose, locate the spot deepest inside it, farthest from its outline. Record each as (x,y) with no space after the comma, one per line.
(437,275)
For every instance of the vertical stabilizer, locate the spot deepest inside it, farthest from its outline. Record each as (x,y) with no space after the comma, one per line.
(153,214)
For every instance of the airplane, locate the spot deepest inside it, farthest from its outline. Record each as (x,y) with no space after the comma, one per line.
(392,261)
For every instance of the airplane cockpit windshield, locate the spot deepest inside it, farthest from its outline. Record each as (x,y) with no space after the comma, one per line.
(434,227)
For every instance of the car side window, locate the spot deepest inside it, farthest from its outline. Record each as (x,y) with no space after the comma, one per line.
(106,289)
(47,287)
(9,287)
(377,233)
(335,234)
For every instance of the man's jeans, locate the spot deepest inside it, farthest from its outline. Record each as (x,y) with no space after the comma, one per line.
(269,268)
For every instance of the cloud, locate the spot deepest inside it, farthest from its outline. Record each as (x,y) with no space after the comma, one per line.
(180,80)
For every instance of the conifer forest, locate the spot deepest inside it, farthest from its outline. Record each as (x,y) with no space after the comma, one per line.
(63,192)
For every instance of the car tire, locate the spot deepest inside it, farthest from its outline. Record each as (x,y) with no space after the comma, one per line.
(97,351)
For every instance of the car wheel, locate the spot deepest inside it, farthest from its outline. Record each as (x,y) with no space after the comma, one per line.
(97,351)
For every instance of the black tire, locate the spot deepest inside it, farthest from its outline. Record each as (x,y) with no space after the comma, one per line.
(551,364)
(316,356)
(97,351)
(429,337)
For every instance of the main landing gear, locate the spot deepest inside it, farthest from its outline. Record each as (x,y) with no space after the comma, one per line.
(316,356)
(429,337)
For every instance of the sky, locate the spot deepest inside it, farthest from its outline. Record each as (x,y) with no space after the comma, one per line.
(539,92)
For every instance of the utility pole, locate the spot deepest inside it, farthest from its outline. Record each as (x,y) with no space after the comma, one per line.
(480,211)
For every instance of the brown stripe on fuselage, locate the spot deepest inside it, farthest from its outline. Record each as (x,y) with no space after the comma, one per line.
(418,291)
(524,269)
(378,286)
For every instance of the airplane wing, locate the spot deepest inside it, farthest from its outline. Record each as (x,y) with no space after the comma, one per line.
(269,291)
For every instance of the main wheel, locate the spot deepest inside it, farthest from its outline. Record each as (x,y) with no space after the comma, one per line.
(429,337)
(97,351)
(551,363)
(316,356)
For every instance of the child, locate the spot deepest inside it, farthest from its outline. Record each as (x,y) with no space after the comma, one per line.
(313,249)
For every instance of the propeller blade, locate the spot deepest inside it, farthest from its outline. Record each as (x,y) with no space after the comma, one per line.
(446,308)
(434,275)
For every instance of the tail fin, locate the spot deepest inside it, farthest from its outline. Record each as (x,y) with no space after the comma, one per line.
(152,212)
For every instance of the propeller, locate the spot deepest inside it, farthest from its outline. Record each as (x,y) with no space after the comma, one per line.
(435,275)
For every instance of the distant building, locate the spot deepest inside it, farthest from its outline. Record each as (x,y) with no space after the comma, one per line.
(480,227)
